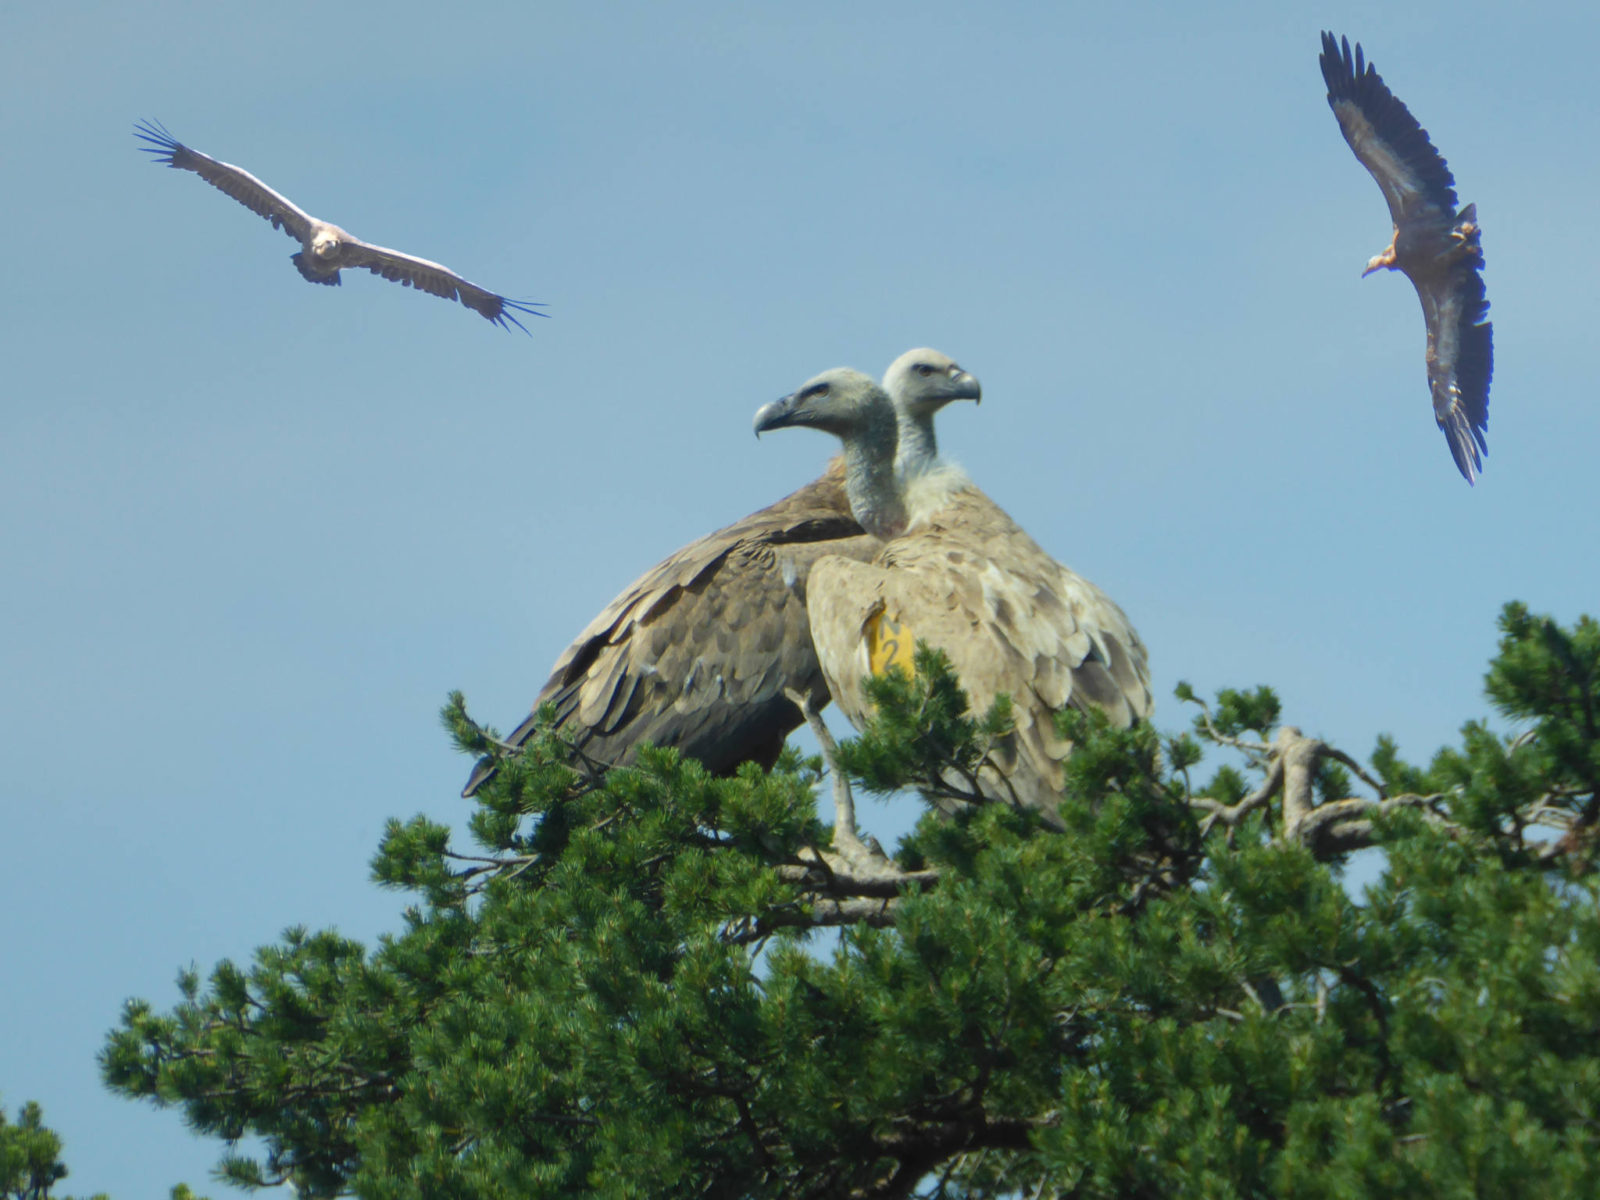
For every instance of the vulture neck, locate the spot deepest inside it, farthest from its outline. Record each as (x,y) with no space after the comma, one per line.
(919,449)
(927,484)
(871,482)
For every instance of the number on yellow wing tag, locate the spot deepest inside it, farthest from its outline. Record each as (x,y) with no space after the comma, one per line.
(889,646)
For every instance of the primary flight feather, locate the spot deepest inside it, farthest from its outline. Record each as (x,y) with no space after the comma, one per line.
(325,249)
(1436,246)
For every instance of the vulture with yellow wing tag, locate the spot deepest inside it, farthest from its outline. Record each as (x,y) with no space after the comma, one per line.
(961,576)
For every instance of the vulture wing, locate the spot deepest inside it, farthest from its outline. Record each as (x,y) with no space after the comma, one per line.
(1387,139)
(1437,247)
(1012,619)
(697,652)
(438,280)
(231,180)
(1460,349)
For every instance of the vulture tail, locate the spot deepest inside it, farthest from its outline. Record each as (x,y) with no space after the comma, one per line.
(331,278)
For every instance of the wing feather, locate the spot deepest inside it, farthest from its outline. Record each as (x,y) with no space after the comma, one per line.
(1011,619)
(1388,140)
(226,178)
(1460,358)
(436,279)
(696,653)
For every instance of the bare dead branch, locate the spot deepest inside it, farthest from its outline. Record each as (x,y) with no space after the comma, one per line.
(1357,770)
(842,883)
(1338,826)
(1254,749)
(813,913)
(1233,815)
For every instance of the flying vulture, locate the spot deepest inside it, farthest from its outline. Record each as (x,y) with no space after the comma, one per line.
(1436,246)
(964,577)
(326,249)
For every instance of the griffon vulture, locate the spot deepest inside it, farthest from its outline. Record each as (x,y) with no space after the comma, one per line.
(964,577)
(697,652)
(326,249)
(1437,247)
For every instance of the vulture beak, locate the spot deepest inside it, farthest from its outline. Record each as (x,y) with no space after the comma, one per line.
(966,387)
(780,414)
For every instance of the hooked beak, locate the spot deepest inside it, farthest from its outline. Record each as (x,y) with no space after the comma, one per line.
(966,387)
(780,414)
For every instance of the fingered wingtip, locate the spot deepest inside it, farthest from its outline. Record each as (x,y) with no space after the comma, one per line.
(1468,446)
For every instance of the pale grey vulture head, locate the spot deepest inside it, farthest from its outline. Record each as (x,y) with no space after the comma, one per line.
(843,402)
(921,382)
(852,407)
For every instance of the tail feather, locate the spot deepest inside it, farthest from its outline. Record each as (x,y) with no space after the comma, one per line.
(331,278)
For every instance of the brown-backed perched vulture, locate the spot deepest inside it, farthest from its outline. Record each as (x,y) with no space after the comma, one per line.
(964,577)
(325,249)
(696,653)
(1437,247)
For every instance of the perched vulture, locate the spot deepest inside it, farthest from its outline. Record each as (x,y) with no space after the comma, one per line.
(964,577)
(1436,246)
(697,651)
(326,249)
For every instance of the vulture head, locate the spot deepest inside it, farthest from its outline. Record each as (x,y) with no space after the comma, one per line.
(1379,261)
(921,382)
(858,412)
(843,402)
(325,244)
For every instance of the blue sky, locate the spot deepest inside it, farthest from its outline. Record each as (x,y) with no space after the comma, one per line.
(254,530)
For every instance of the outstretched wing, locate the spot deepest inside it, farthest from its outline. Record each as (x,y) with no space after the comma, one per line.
(435,279)
(227,178)
(1385,136)
(1460,347)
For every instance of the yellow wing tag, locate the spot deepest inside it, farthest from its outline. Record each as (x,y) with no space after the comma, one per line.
(889,646)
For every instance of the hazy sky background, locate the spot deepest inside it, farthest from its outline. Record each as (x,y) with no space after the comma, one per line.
(253,531)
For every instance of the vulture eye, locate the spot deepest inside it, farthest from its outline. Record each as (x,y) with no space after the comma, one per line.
(814,391)
(924,370)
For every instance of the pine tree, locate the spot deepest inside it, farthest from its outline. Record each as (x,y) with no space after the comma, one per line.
(622,990)
(30,1157)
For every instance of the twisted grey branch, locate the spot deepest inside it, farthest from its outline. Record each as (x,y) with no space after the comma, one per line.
(1337,827)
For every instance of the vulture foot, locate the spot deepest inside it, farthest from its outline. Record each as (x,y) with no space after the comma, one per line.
(851,855)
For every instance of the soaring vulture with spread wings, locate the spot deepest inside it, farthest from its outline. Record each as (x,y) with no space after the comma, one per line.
(1436,246)
(326,249)
(962,576)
